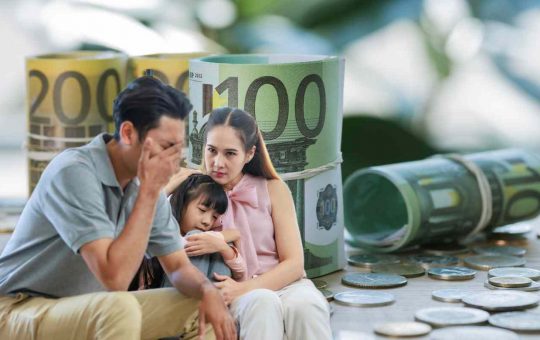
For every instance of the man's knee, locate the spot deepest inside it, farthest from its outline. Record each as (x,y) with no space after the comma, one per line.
(118,308)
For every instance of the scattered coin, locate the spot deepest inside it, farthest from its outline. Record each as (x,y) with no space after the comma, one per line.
(487,262)
(428,261)
(510,281)
(535,286)
(451,316)
(517,321)
(472,333)
(501,300)
(364,298)
(373,280)
(410,269)
(450,295)
(452,273)
(445,249)
(518,228)
(320,284)
(500,250)
(353,335)
(402,329)
(329,295)
(531,273)
(368,260)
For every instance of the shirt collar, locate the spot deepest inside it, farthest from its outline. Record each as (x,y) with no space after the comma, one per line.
(98,152)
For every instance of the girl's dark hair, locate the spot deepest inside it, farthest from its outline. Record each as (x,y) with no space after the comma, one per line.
(150,273)
(248,131)
(144,101)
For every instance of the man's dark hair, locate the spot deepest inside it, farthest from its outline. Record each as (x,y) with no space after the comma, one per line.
(144,101)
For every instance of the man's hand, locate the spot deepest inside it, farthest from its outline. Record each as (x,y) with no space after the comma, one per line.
(156,166)
(204,243)
(213,310)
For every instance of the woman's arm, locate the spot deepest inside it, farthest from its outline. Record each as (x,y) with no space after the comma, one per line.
(230,235)
(178,178)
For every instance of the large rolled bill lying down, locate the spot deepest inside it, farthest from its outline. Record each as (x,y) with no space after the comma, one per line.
(388,208)
(69,98)
(297,102)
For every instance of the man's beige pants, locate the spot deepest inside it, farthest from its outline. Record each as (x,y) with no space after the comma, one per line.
(146,314)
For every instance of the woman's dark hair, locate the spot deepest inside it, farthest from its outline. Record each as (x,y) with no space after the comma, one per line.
(150,273)
(144,101)
(248,131)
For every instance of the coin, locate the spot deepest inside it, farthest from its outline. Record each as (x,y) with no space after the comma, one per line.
(531,273)
(452,273)
(500,250)
(364,298)
(487,262)
(373,280)
(353,335)
(320,284)
(368,260)
(450,295)
(501,300)
(329,295)
(444,249)
(428,261)
(510,281)
(535,286)
(410,269)
(451,316)
(399,329)
(518,228)
(472,333)
(517,321)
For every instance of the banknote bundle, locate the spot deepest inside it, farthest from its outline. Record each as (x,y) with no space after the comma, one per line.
(297,102)
(448,197)
(69,99)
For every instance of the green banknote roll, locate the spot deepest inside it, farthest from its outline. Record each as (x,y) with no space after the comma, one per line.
(392,207)
(298,104)
(69,98)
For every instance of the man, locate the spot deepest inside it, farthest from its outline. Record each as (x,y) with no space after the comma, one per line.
(94,213)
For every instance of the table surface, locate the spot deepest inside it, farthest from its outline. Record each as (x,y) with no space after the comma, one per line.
(357,322)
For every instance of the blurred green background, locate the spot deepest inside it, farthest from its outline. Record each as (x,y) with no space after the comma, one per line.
(422,76)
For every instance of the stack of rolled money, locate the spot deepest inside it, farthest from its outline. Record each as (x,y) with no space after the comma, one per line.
(69,102)
(297,102)
(392,207)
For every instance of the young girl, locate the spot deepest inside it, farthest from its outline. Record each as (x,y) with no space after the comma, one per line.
(276,301)
(196,204)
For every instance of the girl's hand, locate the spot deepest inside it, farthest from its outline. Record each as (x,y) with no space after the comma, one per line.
(204,243)
(229,288)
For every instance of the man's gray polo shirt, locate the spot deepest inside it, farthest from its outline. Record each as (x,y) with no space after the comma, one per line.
(77,200)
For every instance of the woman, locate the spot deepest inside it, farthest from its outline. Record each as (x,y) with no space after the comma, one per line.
(276,301)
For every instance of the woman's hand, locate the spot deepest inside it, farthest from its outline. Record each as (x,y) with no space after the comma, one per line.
(178,178)
(229,288)
(204,243)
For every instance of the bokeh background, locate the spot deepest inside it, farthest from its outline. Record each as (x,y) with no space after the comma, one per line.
(422,76)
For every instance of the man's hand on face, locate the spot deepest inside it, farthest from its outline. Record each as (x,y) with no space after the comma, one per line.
(156,166)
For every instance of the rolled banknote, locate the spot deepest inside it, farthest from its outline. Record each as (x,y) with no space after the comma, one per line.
(392,207)
(298,104)
(69,97)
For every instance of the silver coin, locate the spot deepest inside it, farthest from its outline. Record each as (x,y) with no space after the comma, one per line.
(402,329)
(373,280)
(411,269)
(368,260)
(452,273)
(472,333)
(517,321)
(320,284)
(364,298)
(501,300)
(445,249)
(500,250)
(510,281)
(518,228)
(450,295)
(353,335)
(451,316)
(535,286)
(428,261)
(487,262)
(329,295)
(531,273)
